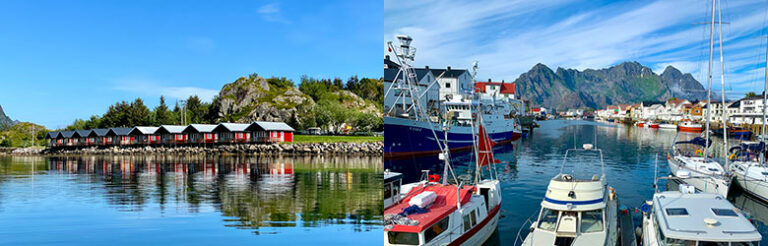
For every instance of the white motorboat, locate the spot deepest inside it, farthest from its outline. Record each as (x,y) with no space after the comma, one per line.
(688,163)
(576,211)
(687,218)
(667,126)
(392,184)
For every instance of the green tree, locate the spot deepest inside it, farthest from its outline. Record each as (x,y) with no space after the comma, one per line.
(751,94)
(162,114)
(138,115)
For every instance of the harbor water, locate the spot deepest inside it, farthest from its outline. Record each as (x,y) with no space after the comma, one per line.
(160,200)
(528,165)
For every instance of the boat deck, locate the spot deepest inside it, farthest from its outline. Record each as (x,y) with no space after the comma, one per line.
(444,204)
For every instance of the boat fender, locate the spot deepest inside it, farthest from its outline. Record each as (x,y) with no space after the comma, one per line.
(645,207)
(612,193)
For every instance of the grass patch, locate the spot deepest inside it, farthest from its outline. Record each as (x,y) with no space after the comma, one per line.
(335,139)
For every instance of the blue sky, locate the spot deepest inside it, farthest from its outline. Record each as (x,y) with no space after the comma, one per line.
(63,60)
(507,38)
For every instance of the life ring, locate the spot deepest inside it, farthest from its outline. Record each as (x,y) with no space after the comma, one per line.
(732,156)
(699,152)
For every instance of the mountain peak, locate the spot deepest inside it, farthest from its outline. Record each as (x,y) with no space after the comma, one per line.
(4,119)
(671,70)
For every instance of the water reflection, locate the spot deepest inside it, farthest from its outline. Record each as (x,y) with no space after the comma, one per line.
(261,194)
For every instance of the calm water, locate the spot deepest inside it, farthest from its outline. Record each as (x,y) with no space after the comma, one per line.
(629,155)
(190,201)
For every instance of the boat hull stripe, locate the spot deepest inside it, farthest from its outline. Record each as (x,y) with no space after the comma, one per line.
(553,201)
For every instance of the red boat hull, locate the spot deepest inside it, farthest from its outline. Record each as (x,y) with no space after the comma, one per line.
(689,129)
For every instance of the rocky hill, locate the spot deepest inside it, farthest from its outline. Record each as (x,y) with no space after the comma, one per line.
(628,82)
(254,98)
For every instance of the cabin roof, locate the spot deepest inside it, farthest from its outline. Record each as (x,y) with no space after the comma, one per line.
(444,204)
(170,129)
(83,133)
(201,128)
(231,127)
(99,132)
(67,134)
(699,207)
(119,131)
(143,130)
(52,134)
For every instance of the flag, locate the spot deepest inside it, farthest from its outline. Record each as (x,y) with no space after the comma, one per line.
(485,148)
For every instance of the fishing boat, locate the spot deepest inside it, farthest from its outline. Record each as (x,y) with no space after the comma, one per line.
(734,132)
(449,213)
(640,124)
(413,110)
(576,210)
(653,125)
(667,126)
(690,126)
(689,162)
(684,217)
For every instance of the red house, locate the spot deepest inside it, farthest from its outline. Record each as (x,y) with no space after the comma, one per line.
(201,133)
(233,132)
(172,134)
(271,132)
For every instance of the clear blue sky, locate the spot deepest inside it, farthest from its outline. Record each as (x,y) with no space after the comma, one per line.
(508,38)
(63,60)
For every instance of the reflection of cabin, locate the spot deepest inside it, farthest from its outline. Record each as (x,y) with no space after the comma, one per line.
(271,132)
(172,134)
(233,132)
(201,133)
(145,135)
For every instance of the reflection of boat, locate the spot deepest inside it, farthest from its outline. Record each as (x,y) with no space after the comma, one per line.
(576,211)
(687,218)
(640,124)
(689,126)
(749,172)
(755,208)
(653,125)
(688,162)
(433,213)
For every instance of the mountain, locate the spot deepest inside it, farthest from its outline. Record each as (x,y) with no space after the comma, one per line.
(5,121)
(626,83)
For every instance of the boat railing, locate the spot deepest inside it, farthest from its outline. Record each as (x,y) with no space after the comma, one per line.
(527,225)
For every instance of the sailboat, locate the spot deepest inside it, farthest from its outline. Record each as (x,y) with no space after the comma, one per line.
(577,210)
(748,159)
(689,160)
(449,213)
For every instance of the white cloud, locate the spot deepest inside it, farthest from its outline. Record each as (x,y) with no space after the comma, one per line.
(272,13)
(146,87)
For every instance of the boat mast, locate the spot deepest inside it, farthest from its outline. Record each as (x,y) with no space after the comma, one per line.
(722,81)
(765,94)
(709,77)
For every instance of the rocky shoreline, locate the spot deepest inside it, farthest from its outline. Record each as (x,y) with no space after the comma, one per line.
(303,149)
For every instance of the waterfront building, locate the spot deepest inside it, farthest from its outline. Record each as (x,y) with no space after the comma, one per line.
(271,132)
(100,135)
(68,139)
(494,90)
(145,135)
(55,139)
(82,137)
(424,83)
(201,133)
(120,135)
(172,134)
(233,132)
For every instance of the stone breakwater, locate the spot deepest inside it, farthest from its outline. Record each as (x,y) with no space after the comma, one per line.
(352,149)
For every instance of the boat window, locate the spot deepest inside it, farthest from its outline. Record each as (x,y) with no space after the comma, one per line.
(548,219)
(592,221)
(724,212)
(474,217)
(435,230)
(677,211)
(680,242)
(387,190)
(764,173)
(406,238)
(711,169)
(704,243)
(467,223)
(745,243)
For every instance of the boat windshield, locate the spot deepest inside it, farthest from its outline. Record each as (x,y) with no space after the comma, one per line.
(548,219)
(592,221)
(404,238)
(681,242)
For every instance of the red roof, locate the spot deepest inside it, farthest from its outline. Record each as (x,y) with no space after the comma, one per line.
(506,88)
(444,204)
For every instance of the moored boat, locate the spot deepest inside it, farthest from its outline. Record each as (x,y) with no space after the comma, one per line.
(689,126)
(667,126)
(576,211)
(688,162)
(393,182)
(640,124)
(749,172)
(687,218)
(653,125)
